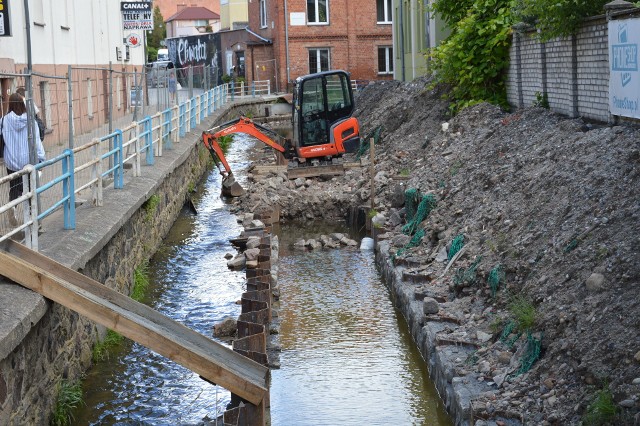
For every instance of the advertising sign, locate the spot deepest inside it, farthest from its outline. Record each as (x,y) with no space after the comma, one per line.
(624,76)
(5,21)
(137,15)
(197,50)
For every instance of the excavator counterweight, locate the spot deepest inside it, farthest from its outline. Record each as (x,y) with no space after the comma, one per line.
(323,130)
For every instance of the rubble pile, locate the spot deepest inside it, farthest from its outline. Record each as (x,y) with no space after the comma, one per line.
(529,259)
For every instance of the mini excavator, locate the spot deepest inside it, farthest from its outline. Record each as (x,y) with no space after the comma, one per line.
(323,130)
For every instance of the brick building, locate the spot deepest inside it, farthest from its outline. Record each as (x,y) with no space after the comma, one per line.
(318,35)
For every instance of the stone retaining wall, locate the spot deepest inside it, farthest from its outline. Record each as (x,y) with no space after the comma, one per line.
(456,392)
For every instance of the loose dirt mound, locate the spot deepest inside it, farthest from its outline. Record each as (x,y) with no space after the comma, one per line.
(550,204)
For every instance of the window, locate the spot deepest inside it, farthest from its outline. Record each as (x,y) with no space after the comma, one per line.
(317,11)
(318,60)
(385,60)
(384,11)
(263,13)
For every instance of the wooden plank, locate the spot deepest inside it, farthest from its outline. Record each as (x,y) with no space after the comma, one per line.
(313,171)
(136,321)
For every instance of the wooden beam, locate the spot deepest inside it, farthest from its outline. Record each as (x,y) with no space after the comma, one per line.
(138,322)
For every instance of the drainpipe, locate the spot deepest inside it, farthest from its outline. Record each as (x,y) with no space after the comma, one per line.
(29,87)
(401,38)
(286,40)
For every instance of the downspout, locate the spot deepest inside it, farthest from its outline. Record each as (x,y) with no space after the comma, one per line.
(401,38)
(286,41)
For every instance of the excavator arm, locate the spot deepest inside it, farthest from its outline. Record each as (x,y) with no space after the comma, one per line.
(240,125)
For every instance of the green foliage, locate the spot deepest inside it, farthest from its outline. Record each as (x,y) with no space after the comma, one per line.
(101,349)
(452,11)
(557,18)
(602,410)
(226,78)
(225,142)
(150,207)
(542,100)
(140,282)
(474,59)
(69,397)
(523,312)
(158,34)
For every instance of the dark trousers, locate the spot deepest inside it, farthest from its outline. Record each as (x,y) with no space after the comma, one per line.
(15,186)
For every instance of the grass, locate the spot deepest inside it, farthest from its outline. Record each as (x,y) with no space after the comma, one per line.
(69,398)
(602,410)
(523,311)
(101,349)
(140,282)
(225,142)
(150,207)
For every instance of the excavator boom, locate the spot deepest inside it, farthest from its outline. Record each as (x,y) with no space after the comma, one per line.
(323,130)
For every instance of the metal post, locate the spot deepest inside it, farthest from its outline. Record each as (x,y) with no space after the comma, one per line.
(110,98)
(70,95)
(373,172)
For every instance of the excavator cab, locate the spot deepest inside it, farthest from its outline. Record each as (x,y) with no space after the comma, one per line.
(322,121)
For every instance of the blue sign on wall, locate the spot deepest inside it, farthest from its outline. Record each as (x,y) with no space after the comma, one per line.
(624,76)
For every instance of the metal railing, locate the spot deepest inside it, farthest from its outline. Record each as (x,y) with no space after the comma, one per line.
(86,167)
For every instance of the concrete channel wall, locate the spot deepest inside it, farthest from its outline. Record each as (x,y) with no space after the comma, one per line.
(42,343)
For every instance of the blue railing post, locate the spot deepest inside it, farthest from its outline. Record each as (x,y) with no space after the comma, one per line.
(203,100)
(148,140)
(68,190)
(209,100)
(118,176)
(253,89)
(167,128)
(182,120)
(233,89)
(193,113)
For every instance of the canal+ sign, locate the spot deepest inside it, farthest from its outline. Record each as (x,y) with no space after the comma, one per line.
(137,15)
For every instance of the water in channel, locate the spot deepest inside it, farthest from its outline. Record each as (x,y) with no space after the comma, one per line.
(346,357)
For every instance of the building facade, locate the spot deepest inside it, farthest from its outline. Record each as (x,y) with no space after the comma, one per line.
(415,31)
(192,21)
(309,36)
(90,37)
(234,14)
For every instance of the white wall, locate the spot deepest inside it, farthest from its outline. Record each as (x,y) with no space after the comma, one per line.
(76,32)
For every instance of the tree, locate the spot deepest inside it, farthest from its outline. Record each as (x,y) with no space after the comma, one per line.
(558,18)
(156,36)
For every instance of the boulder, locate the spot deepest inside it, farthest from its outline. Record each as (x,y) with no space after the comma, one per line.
(226,328)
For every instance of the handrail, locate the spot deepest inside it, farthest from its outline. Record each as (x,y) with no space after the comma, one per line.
(147,137)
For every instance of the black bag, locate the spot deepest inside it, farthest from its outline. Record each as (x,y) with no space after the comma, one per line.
(1,138)
(40,127)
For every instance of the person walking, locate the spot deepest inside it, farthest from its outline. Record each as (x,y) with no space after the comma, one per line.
(172,83)
(16,146)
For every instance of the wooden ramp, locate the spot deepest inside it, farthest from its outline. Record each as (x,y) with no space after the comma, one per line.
(211,360)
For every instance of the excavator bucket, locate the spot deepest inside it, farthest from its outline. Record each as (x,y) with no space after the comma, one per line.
(231,188)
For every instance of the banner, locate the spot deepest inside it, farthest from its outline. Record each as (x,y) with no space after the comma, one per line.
(5,21)
(624,77)
(197,50)
(137,15)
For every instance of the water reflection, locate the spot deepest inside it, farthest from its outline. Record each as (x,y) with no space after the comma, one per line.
(346,356)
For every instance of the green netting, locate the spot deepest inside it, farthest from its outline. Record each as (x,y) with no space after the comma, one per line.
(496,276)
(456,246)
(466,277)
(531,354)
(364,142)
(411,200)
(506,332)
(415,240)
(427,204)
(572,245)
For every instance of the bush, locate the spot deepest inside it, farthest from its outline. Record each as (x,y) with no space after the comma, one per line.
(474,59)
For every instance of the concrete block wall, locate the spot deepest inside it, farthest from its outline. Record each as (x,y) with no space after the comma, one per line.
(593,71)
(572,71)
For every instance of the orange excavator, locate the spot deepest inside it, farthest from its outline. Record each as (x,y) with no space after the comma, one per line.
(323,130)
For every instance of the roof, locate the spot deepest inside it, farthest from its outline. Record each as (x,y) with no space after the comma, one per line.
(193,13)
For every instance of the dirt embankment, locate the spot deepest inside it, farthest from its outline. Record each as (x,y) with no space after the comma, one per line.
(550,204)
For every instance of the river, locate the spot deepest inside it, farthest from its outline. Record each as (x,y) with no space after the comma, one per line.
(346,358)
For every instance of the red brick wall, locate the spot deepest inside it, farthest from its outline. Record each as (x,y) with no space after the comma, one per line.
(352,36)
